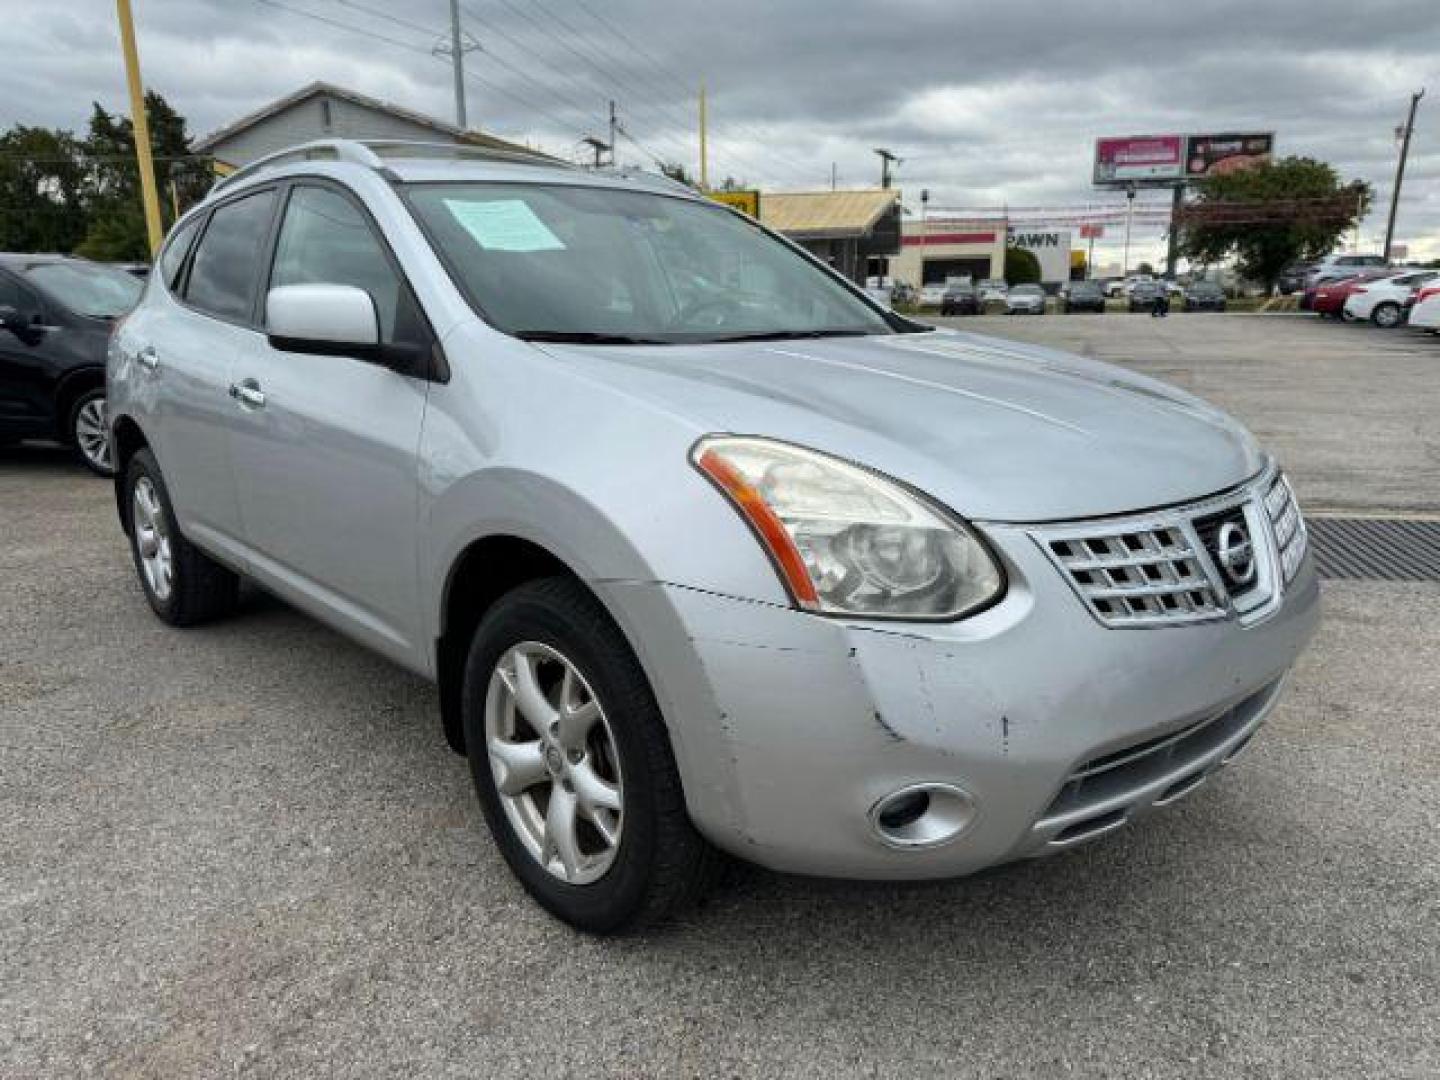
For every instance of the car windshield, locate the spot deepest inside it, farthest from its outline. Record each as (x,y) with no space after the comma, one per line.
(102,292)
(566,262)
(1027,290)
(1088,287)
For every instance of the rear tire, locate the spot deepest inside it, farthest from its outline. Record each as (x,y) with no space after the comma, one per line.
(88,432)
(647,862)
(183,585)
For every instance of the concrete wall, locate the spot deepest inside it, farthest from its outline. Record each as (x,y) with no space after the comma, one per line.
(981,244)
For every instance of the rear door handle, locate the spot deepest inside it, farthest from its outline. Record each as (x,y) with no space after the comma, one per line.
(248,394)
(148,358)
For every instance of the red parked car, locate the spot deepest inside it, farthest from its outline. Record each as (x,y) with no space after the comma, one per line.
(1330,296)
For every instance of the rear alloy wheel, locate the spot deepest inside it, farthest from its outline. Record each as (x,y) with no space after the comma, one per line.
(1386,315)
(183,585)
(573,766)
(89,433)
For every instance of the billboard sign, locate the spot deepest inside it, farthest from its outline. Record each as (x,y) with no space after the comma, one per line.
(1216,155)
(1143,159)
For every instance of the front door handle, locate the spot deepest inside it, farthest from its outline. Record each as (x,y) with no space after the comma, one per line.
(148,358)
(248,394)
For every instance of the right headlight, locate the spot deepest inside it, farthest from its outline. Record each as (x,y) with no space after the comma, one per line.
(847,541)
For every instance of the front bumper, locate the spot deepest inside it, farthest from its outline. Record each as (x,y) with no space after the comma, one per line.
(789,728)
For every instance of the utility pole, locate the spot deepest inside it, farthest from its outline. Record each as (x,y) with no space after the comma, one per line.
(886,159)
(832,175)
(457,61)
(1406,132)
(140,126)
(614,126)
(704,158)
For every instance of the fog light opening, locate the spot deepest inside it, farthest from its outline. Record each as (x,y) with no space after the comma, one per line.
(922,815)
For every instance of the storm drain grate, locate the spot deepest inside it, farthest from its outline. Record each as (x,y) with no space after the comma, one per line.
(1376,549)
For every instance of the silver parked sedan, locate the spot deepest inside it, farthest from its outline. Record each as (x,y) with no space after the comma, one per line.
(1025,300)
(705,551)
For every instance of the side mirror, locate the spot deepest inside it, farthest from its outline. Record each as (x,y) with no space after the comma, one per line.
(331,320)
(336,320)
(9,318)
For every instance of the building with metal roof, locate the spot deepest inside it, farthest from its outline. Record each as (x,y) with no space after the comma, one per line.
(322,110)
(854,231)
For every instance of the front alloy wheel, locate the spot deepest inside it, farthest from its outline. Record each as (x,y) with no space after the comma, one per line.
(572,762)
(555,763)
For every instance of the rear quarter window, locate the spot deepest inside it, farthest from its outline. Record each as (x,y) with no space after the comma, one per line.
(227,263)
(173,257)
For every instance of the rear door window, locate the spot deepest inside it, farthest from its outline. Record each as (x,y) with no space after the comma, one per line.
(228,259)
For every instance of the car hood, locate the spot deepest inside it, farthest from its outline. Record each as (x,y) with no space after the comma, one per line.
(994,429)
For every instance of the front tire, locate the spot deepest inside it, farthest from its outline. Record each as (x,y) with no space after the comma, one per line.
(573,765)
(1387,316)
(183,585)
(88,432)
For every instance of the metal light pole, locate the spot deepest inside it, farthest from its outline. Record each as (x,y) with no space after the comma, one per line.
(140,126)
(1408,130)
(1129,214)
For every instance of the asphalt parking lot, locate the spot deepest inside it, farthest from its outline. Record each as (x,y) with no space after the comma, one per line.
(245,849)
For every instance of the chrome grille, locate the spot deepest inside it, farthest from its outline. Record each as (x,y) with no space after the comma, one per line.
(1289,526)
(1167,567)
(1138,575)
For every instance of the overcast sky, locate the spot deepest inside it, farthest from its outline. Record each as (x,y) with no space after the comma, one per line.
(988,103)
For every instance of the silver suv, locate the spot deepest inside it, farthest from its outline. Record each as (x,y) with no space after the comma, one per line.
(705,550)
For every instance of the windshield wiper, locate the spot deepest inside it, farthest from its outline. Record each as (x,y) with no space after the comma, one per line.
(789,335)
(586,337)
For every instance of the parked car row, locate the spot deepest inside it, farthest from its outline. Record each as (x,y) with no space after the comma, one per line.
(1385,297)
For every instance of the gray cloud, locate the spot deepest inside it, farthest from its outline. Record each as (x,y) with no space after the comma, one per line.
(988,103)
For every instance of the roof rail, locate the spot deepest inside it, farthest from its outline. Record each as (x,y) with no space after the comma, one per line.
(372,154)
(404,148)
(318,150)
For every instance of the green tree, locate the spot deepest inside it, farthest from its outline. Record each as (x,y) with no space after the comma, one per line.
(676,170)
(1269,216)
(42,190)
(116,221)
(1145,268)
(1021,267)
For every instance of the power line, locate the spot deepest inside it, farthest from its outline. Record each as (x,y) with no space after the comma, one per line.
(625,90)
(679,82)
(613,77)
(564,100)
(408,46)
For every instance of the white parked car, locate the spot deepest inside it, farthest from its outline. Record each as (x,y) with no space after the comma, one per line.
(1334,267)
(1385,300)
(1025,300)
(993,289)
(932,293)
(1426,313)
(1123,286)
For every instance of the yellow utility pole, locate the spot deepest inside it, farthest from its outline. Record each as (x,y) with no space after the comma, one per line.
(140,125)
(704,160)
